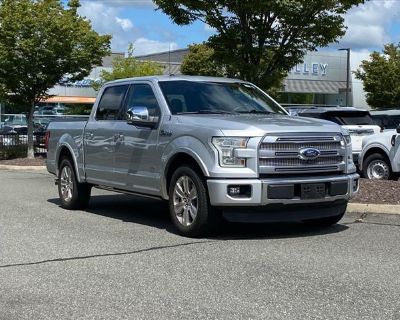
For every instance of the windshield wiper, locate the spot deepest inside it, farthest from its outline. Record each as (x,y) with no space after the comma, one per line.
(254,111)
(208,112)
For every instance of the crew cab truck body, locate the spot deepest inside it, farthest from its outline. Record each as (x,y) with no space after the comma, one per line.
(212,147)
(380,157)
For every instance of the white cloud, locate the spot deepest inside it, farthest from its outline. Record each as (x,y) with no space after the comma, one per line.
(125,24)
(106,19)
(147,46)
(368,24)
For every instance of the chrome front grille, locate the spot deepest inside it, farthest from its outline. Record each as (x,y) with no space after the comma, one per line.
(281,154)
(287,146)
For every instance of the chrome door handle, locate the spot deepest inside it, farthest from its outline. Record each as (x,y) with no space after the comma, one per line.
(118,137)
(89,135)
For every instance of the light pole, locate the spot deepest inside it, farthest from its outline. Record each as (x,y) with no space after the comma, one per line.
(348,74)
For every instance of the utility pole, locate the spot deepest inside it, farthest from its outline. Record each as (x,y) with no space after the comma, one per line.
(348,74)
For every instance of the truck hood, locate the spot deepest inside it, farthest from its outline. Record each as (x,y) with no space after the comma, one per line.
(258,125)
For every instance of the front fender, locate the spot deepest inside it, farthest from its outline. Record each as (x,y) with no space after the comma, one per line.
(191,146)
(367,148)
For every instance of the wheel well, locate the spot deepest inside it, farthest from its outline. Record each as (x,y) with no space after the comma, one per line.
(378,151)
(64,154)
(179,160)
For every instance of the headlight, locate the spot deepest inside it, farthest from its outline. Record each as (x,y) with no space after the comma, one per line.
(226,147)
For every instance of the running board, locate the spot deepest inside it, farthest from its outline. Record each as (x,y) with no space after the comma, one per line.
(138,194)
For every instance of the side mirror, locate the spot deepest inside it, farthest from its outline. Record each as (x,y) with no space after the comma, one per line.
(398,129)
(139,116)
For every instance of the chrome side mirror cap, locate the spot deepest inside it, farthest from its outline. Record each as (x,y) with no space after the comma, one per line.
(139,116)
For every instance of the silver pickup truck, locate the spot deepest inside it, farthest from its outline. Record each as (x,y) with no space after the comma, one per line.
(212,147)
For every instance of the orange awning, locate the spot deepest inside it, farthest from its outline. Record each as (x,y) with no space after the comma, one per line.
(70,99)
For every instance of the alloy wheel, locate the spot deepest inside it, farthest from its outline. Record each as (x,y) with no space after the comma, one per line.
(185,200)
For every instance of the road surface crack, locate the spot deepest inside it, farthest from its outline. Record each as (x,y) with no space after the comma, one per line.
(105,254)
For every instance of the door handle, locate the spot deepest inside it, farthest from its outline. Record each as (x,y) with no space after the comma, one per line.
(118,137)
(89,135)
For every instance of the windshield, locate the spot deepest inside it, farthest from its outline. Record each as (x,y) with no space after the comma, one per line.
(216,97)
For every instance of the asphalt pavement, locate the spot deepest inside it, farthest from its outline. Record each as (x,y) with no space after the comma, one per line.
(121,259)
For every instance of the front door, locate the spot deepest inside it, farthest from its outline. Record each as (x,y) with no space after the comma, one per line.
(137,157)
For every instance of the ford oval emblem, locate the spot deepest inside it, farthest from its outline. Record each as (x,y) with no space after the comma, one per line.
(309,153)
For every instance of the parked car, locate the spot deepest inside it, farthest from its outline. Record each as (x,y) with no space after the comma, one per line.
(380,157)
(386,119)
(357,122)
(212,147)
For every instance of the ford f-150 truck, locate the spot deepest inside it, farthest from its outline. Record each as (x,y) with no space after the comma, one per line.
(212,147)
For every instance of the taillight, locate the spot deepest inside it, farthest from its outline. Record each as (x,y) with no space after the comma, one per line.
(46,140)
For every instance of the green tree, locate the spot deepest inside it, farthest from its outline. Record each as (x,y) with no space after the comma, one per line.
(41,41)
(128,67)
(261,40)
(200,61)
(381,78)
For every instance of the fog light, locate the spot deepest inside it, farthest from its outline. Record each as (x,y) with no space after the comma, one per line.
(234,191)
(239,191)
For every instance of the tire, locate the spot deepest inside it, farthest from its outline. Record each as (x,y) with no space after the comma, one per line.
(377,167)
(328,221)
(189,206)
(73,195)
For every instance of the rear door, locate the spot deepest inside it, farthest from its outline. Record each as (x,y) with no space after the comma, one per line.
(137,156)
(101,136)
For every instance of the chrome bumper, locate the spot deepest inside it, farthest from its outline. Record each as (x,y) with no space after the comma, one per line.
(218,190)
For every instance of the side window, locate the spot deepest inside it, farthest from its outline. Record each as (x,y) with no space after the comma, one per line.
(111,102)
(142,95)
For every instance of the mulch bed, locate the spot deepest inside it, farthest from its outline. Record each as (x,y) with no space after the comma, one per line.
(377,191)
(24,162)
(371,191)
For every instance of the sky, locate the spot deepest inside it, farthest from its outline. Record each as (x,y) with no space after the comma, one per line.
(370,26)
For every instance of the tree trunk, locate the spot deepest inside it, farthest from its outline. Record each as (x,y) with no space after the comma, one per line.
(31,151)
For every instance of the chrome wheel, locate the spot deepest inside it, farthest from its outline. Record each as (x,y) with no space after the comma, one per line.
(185,202)
(67,185)
(378,170)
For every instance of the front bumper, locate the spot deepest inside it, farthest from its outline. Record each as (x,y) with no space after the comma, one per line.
(280,190)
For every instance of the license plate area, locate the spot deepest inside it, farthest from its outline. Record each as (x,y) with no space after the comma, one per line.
(313,191)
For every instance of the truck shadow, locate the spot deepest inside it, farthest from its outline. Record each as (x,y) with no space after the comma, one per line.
(155,214)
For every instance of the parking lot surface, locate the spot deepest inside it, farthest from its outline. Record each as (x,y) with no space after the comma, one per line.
(121,259)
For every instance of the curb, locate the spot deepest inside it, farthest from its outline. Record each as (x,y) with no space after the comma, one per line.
(373,208)
(22,168)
